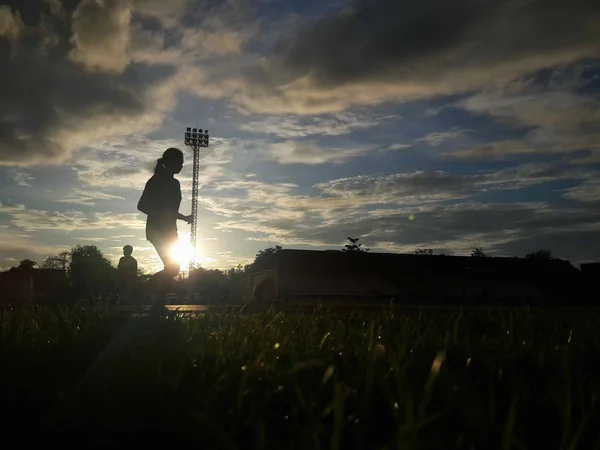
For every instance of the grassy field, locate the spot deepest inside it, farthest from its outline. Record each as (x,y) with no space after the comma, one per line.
(474,380)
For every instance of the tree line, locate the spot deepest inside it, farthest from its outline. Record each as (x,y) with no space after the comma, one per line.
(90,272)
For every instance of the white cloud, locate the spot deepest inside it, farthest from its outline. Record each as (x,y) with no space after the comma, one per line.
(22,179)
(295,152)
(37,220)
(11,25)
(398,146)
(87,197)
(588,191)
(332,125)
(439,137)
(101,34)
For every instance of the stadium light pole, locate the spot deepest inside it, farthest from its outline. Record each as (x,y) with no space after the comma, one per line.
(195,139)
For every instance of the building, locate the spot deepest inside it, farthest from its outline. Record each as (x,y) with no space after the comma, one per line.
(25,287)
(306,276)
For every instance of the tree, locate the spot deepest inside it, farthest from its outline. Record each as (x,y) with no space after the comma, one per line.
(264,260)
(540,255)
(353,247)
(478,253)
(90,271)
(235,273)
(211,283)
(27,265)
(424,251)
(60,261)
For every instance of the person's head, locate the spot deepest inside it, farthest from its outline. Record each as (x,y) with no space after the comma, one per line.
(170,163)
(127,250)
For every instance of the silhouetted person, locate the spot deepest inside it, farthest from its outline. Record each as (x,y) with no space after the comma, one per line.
(127,270)
(160,202)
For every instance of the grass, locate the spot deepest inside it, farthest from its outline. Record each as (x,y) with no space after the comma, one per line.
(491,379)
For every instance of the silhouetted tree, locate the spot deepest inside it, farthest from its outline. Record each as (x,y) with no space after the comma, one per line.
(541,255)
(90,271)
(424,251)
(60,261)
(211,283)
(26,265)
(478,253)
(235,273)
(264,260)
(353,246)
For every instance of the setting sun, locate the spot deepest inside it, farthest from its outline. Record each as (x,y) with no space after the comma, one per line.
(183,252)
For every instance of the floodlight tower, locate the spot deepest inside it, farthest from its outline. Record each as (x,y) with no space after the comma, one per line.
(195,139)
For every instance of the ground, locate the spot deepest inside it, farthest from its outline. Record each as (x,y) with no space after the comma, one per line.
(436,379)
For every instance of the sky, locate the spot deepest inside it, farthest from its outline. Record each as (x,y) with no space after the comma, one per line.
(410,124)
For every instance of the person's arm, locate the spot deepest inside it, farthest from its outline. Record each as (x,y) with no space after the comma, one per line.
(187,219)
(180,216)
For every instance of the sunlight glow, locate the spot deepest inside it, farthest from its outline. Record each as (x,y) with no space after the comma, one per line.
(183,251)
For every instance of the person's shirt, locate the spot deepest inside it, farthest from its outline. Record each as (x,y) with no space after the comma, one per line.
(127,268)
(160,202)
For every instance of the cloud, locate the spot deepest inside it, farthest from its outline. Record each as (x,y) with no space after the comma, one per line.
(439,137)
(14,248)
(557,122)
(424,187)
(22,179)
(211,32)
(375,51)
(87,198)
(123,161)
(561,111)
(205,43)
(397,146)
(448,218)
(56,8)
(585,192)
(295,152)
(331,125)
(35,219)
(53,105)
(101,34)
(592,158)
(127,161)
(255,206)
(11,25)
(381,39)
(160,8)
(492,151)
(503,229)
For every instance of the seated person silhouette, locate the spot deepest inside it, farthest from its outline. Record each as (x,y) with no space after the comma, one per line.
(127,270)
(160,202)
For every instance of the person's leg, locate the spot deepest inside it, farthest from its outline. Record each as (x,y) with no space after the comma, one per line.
(171,268)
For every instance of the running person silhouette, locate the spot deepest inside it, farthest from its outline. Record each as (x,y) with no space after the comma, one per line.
(160,202)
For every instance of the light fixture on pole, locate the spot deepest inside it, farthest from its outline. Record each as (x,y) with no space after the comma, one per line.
(195,139)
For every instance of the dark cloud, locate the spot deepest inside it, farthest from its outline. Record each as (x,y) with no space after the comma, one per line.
(52,105)
(408,40)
